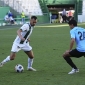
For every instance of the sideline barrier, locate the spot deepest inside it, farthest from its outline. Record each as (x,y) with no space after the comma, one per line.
(18,21)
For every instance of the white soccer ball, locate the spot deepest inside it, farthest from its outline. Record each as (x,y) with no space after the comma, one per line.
(19,68)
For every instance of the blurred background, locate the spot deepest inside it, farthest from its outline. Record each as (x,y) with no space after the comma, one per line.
(47,11)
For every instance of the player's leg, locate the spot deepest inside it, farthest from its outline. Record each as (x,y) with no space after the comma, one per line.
(30,60)
(28,50)
(67,56)
(73,53)
(65,18)
(8,58)
(14,49)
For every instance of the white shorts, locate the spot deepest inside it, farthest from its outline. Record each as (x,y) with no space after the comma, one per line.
(17,47)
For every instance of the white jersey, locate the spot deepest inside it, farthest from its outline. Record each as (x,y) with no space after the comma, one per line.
(26,32)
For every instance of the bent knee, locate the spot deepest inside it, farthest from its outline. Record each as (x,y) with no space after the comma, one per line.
(31,57)
(66,55)
(11,58)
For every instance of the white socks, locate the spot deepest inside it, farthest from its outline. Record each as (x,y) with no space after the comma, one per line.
(30,62)
(6,60)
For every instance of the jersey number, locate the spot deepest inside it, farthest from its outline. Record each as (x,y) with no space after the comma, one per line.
(82,35)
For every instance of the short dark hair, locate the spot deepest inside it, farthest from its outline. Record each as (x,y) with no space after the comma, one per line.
(72,22)
(33,17)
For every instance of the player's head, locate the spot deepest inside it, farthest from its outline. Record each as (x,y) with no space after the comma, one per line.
(72,23)
(33,20)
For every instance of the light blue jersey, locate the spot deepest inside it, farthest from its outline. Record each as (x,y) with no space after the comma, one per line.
(79,34)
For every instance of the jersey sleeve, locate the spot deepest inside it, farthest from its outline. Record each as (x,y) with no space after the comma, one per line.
(25,27)
(72,33)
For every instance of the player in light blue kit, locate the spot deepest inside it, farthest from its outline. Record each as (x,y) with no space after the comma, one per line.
(78,36)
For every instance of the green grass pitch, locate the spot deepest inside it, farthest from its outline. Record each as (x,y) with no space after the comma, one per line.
(48,42)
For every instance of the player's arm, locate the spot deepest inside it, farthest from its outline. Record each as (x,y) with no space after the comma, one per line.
(72,33)
(23,28)
(19,34)
(71,43)
(28,39)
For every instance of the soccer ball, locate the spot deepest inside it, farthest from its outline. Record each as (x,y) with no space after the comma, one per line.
(19,68)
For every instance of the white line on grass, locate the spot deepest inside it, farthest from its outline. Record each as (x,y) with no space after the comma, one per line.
(7,28)
(58,25)
(64,25)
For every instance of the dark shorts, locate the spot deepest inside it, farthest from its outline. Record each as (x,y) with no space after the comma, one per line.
(76,53)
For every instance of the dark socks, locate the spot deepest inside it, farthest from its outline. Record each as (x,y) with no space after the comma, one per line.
(69,61)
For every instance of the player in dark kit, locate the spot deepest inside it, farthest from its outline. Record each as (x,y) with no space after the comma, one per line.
(78,36)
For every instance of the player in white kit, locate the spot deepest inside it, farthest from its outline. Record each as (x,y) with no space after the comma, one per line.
(22,43)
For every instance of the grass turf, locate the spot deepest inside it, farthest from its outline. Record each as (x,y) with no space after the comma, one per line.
(48,44)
